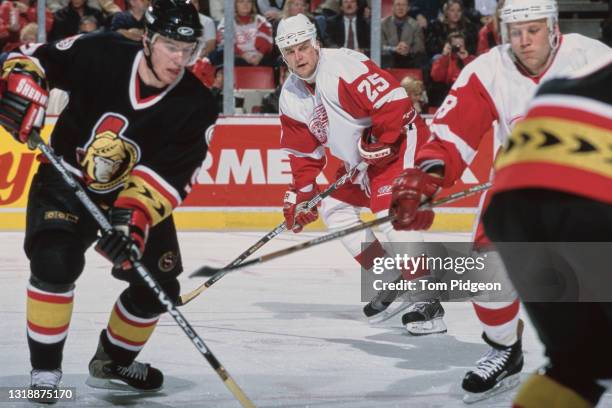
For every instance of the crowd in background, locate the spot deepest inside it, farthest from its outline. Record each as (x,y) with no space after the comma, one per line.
(435,37)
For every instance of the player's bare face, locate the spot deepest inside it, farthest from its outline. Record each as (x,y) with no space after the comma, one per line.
(169,58)
(302,58)
(530,44)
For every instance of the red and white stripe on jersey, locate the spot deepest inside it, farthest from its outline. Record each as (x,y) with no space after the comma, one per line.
(377,94)
(570,107)
(150,193)
(48,315)
(499,320)
(136,100)
(127,330)
(306,154)
(466,114)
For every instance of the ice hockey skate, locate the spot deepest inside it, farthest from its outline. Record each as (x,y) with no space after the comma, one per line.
(425,317)
(106,374)
(385,305)
(497,371)
(45,381)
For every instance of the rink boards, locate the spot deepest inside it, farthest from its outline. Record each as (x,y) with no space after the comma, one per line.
(240,185)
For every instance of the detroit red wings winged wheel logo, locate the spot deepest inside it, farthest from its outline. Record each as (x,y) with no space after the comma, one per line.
(108,157)
(318,124)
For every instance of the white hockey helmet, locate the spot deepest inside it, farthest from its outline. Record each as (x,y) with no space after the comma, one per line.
(518,11)
(295,30)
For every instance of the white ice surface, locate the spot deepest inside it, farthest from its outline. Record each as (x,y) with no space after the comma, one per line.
(290,332)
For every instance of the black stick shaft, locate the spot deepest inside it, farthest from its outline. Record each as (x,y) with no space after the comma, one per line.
(146,276)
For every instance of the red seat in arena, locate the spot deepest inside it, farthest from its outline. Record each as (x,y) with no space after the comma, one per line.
(401,73)
(386,8)
(254,78)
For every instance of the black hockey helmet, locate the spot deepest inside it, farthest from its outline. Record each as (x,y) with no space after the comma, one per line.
(176,19)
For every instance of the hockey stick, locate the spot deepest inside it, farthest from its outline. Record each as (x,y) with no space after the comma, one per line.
(163,298)
(205,270)
(216,275)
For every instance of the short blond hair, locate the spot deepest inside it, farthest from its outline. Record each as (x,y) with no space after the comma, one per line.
(412,86)
(28,31)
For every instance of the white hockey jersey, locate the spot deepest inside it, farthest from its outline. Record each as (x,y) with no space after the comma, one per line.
(490,89)
(350,94)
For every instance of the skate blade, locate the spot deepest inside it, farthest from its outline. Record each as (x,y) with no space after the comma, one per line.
(116,385)
(432,326)
(388,313)
(506,384)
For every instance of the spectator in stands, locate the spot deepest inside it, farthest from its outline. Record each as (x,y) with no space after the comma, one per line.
(16,15)
(253,38)
(131,22)
(403,41)
(424,11)
(109,7)
(295,7)
(328,8)
(27,35)
(88,24)
(271,9)
(324,11)
(452,20)
(348,29)
(68,19)
(446,67)
(416,91)
(489,35)
(209,35)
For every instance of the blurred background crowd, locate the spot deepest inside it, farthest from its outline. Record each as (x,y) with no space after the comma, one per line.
(424,43)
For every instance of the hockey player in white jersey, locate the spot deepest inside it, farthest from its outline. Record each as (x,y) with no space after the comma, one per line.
(339,99)
(493,90)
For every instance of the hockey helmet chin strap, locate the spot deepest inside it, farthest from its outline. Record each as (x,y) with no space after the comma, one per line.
(148,53)
(554,42)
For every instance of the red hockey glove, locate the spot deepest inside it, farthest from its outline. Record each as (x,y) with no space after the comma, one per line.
(126,241)
(23,101)
(410,189)
(294,208)
(375,153)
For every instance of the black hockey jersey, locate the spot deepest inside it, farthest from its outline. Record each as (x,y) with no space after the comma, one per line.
(128,148)
(565,141)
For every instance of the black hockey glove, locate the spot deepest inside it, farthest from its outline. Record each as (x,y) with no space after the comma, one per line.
(125,243)
(23,99)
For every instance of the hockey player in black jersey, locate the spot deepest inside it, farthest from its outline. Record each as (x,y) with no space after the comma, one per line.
(553,184)
(133,133)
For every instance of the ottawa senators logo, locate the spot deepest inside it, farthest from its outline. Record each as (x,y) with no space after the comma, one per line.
(108,157)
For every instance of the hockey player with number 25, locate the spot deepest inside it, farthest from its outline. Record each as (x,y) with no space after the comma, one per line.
(492,90)
(339,99)
(134,134)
